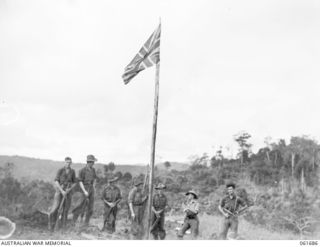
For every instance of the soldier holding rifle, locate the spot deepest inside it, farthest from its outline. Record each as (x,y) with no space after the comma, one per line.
(87,176)
(191,220)
(65,181)
(231,206)
(136,201)
(111,197)
(157,218)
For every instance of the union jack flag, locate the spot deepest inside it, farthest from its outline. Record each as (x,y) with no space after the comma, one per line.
(148,56)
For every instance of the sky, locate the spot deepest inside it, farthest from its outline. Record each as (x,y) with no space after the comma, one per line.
(226,66)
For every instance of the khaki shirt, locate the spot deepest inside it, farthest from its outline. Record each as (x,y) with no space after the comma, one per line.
(65,177)
(135,197)
(192,205)
(232,203)
(159,202)
(87,175)
(111,194)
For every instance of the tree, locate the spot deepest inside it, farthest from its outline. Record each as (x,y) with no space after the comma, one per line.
(199,162)
(181,179)
(267,141)
(6,170)
(217,160)
(10,189)
(119,174)
(305,152)
(111,166)
(278,150)
(99,172)
(242,139)
(262,172)
(167,165)
(297,160)
(127,176)
(105,170)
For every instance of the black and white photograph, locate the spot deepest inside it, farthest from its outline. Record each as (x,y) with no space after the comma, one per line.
(159,120)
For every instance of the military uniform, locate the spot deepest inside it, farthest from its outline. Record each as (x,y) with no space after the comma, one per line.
(138,203)
(66,177)
(191,220)
(159,203)
(86,176)
(110,194)
(233,205)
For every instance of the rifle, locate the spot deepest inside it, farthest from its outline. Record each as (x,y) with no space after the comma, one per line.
(84,206)
(238,212)
(61,206)
(229,212)
(156,222)
(116,203)
(60,210)
(107,216)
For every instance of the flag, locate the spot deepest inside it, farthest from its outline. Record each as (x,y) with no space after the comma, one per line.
(148,56)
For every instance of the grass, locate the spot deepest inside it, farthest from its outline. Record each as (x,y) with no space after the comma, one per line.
(210,227)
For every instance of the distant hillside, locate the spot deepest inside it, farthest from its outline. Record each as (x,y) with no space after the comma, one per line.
(32,168)
(174,166)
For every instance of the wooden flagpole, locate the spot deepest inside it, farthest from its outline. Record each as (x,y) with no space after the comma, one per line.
(153,147)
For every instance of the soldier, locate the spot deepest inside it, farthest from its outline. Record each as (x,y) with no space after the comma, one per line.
(231,206)
(136,201)
(111,196)
(87,176)
(64,182)
(157,218)
(191,220)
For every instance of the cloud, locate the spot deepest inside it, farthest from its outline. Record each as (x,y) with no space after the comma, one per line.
(9,114)
(225,66)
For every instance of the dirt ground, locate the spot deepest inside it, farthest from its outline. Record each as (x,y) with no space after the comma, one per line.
(209,230)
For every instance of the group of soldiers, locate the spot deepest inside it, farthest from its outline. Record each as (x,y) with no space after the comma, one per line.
(231,206)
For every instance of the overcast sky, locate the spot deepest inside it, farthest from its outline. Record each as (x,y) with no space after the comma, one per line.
(226,66)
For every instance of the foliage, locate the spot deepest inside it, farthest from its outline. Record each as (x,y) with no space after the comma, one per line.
(111,166)
(292,211)
(242,139)
(167,164)
(19,198)
(199,162)
(280,181)
(127,176)
(119,174)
